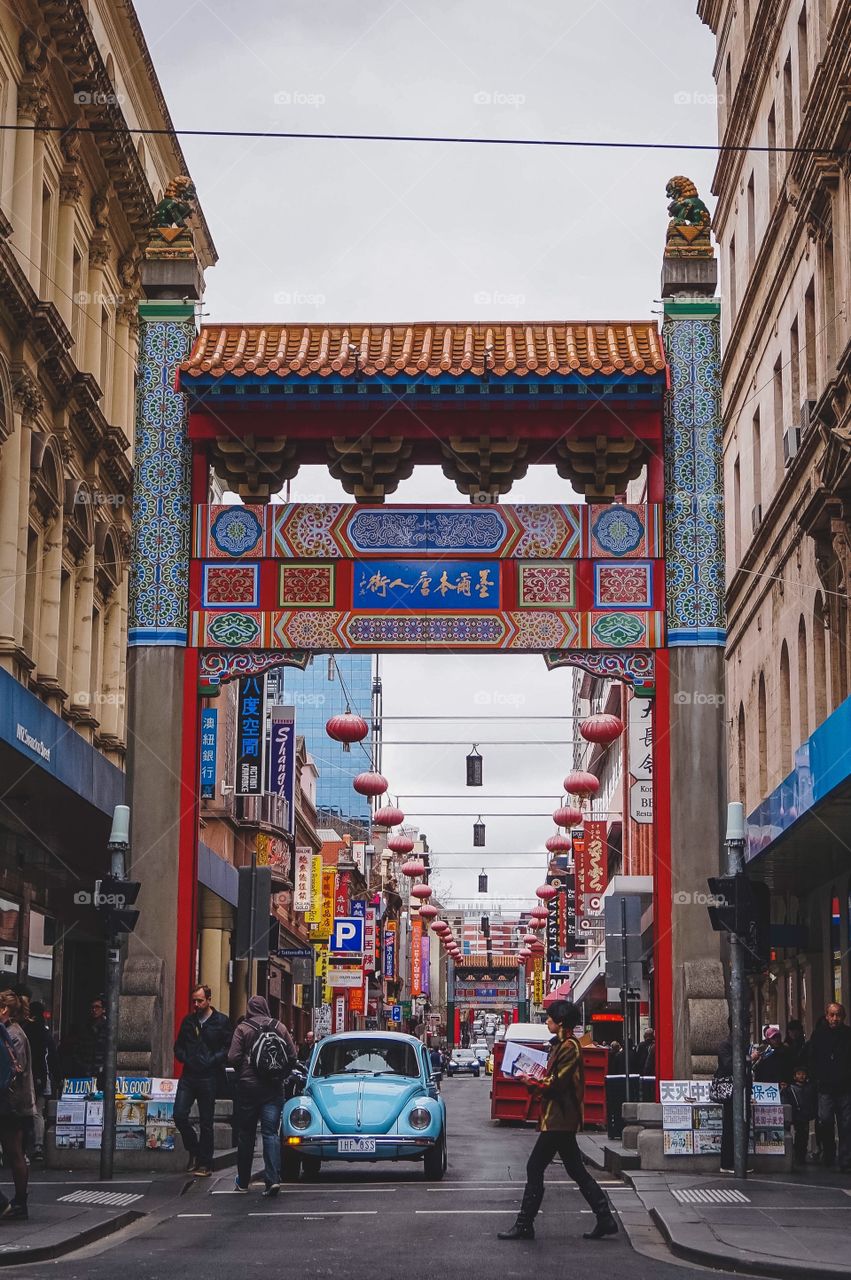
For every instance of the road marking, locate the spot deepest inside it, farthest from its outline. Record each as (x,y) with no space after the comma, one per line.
(109,1198)
(194,1215)
(709,1195)
(444,1212)
(348,1191)
(298,1213)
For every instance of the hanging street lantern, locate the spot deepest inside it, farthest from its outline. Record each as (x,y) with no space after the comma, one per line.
(539,913)
(390,815)
(529,939)
(483,882)
(558,844)
(428,912)
(474,768)
(347,728)
(567,815)
(535,922)
(413,867)
(582,784)
(370,784)
(602,729)
(401,844)
(524,954)
(478,833)
(546,892)
(422,891)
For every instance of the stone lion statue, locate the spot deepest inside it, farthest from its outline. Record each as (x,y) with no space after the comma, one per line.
(177,205)
(688,229)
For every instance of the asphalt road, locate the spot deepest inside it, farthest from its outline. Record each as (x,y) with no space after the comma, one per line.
(379,1222)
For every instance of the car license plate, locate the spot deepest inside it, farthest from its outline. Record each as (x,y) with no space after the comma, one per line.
(356,1146)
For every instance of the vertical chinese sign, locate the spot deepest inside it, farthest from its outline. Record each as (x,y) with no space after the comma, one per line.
(302,895)
(282,759)
(425,964)
(640,748)
(314,911)
(595,860)
(416,956)
(250,721)
(389,963)
(209,734)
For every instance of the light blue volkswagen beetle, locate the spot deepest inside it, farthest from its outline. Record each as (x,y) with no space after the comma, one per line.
(370,1095)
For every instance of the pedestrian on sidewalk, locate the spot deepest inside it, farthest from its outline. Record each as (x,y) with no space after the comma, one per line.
(45,1069)
(773,1061)
(263,1054)
(830,1065)
(17,1107)
(801,1096)
(306,1047)
(202,1047)
(796,1043)
(561,1091)
(93,1047)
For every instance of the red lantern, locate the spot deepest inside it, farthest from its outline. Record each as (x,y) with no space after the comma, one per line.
(581,783)
(388,816)
(441,927)
(422,891)
(413,868)
(524,954)
(428,912)
(539,913)
(567,815)
(602,729)
(529,939)
(347,728)
(536,947)
(401,844)
(546,892)
(537,923)
(558,844)
(370,784)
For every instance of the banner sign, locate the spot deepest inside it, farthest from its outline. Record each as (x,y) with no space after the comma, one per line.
(370,959)
(321,973)
(389,965)
(340,1014)
(338,977)
(209,734)
(250,700)
(313,912)
(282,760)
(322,929)
(416,956)
(596,857)
(578,841)
(425,586)
(640,738)
(357,1000)
(358,908)
(341,894)
(538,982)
(569,895)
(359,855)
(425,957)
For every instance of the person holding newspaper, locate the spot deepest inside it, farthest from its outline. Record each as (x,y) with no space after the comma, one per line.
(561,1091)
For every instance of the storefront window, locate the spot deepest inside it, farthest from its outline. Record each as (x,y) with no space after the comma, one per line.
(40,968)
(836,947)
(10,927)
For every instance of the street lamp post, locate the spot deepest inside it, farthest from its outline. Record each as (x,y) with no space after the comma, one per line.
(735,842)
(119,844)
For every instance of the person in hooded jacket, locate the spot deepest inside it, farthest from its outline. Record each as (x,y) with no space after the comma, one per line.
(258,1098)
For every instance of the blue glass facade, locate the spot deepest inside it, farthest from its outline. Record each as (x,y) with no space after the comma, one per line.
(323,690)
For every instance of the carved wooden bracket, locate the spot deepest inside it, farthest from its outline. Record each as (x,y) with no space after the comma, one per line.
(370,469)
(255,468)
(601,467)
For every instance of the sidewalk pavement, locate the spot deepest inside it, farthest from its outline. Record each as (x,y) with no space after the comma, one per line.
(68,1210)
(792,1225)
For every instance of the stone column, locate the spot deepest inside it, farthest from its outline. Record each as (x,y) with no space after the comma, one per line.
(694,520)
(10,487)
(30,99)
(107,710)
(48,647)
(121,371)
(28,402)
(70,190)
(81,654)
(98,257)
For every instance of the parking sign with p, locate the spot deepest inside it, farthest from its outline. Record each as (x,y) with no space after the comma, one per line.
(347,935)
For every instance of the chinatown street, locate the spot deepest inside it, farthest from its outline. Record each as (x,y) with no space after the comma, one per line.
(374,1223)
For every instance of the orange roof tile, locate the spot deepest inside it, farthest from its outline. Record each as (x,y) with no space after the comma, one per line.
(621,347)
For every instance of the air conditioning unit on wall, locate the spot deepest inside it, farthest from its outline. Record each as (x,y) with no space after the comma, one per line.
(791,443)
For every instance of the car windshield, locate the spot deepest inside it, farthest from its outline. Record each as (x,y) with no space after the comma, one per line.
(464,1055)
(370,1057)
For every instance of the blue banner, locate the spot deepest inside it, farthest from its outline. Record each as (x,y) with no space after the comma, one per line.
(250,715)
(209,734)
(427,586)
(282,760)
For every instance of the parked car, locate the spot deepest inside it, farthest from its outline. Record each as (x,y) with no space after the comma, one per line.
(481,1050)
(368,1096)
(464,1062)
(499,1034)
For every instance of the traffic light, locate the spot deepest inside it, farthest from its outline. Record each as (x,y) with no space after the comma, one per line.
(114,898)
(743,907)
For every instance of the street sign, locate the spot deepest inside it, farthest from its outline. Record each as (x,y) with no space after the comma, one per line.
(344,978)
(347,935)
(396,1013)
(641,802)
(295,953)
(322,1021)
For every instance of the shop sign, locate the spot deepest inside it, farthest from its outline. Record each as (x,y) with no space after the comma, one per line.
(209,734)
(302,896)
(357,1000)
(261,846)
(322,1021)
(425,956)
(359,855)
(641,802)
(416,956)
(338,977)
(326,908)
(596,857)
(538,982)
(389,965)
(370,937)
(640,738)
(341,894)
(250,720)
(313,915)
(282,760)
(340,1014)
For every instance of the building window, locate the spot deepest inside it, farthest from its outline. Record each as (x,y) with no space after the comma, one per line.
(819,666)
(788,122)
(46,247)
(751,224)
(757,467)
(803,683)
(762,745)
(810,341)
(32,595)
(737,511)
(95,667)
(732,290)
(78,310)
(728,86)
(829,308)
(66,622)
(795,370)
(803,57)
(10,932)
(743,758)
(772,159)
(785,712)
(105,378)
(779,415)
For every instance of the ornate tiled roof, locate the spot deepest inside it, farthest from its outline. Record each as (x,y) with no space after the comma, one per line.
(622,347)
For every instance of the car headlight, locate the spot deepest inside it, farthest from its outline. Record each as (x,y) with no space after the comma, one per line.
(300,1118)
(419,1118)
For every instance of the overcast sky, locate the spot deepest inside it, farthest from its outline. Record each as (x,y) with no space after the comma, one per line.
(330,231)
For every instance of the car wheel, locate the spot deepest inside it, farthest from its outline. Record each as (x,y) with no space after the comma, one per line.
(290,1165)
(311,1166)
(434,1161)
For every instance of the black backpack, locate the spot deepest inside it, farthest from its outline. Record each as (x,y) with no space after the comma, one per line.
(269,1054)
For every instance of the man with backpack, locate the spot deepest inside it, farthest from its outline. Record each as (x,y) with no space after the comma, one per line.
(262,1053)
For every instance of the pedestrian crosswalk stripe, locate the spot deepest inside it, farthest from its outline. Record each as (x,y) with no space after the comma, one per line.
(709,1195)
(108,1198)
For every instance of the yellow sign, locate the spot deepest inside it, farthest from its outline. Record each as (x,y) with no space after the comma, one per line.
(538,983)
(262,846)
(314,914)
(321,971)
(326,906)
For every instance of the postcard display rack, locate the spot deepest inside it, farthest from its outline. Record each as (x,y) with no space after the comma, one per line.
(692,1122)
(144,1114)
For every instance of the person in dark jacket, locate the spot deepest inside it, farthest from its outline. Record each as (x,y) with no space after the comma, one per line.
(45,1069)
(643,1053)
(801,1096)
(829,1059)
(202,1045)
(93,1047)
(258,1098)
(796,1043)
(561,1092)
(774,1064)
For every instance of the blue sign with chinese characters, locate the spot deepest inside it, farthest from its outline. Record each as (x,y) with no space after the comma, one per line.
(209,733)
(250,720)
(427,586)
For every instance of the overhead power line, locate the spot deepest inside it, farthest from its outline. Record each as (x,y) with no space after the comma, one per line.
(601,144)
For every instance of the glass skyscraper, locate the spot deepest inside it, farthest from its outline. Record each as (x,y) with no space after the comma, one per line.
(327,686)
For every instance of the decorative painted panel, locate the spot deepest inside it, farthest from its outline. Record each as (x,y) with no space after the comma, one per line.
(226,585)
(159,576)
(694,508)
(628,586)
(550,583)
(426,585)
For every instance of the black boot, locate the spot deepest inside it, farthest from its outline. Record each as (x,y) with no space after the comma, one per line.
(522,1230)
(604,1226)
